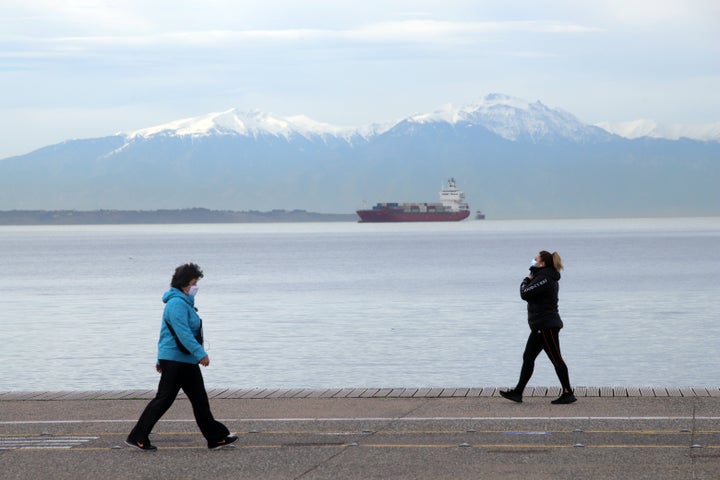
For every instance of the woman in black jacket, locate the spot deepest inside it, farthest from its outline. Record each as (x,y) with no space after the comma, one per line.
(540,290)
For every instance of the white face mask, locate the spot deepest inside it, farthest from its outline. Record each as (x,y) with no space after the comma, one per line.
(533,263)
(193,290)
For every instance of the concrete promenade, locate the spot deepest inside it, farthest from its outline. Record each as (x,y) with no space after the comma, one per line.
(367,433)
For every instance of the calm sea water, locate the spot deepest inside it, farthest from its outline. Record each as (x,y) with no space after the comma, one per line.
(354,305)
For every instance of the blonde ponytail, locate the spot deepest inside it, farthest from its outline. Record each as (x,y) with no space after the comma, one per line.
(557,261)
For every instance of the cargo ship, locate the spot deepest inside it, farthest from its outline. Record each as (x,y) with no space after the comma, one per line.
(452,208)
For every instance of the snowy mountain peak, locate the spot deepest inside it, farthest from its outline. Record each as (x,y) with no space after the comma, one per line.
(252,124)
(513,119)
(493,102)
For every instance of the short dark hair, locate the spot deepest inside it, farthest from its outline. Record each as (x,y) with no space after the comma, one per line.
(184,274)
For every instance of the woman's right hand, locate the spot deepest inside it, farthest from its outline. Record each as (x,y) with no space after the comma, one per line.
(205,361)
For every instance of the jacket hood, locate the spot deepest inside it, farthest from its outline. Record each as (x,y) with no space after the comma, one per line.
(546,271)
(175,293)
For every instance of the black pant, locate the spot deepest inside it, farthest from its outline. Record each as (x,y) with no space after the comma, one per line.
(538,341)
(177,375)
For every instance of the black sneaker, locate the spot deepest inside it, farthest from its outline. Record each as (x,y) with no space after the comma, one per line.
(513,395)
(223,442)
(142,446)
(566,397)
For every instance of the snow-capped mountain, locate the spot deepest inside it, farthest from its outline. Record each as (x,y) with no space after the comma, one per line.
(511,118)
(512,158)
(516,119)
(253,124)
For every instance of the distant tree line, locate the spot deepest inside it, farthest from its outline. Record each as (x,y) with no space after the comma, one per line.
(188,215)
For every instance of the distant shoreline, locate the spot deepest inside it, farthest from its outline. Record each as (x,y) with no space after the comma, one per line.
(187,215)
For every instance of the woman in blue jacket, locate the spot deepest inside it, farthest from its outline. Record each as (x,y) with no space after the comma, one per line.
(180,354)
(540,290)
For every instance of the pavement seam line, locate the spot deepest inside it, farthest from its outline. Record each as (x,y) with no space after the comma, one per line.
(345,447)
(324,462)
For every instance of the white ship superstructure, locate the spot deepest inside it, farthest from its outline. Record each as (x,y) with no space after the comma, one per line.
(453,198)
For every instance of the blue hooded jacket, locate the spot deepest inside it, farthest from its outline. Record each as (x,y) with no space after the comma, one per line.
(180,313)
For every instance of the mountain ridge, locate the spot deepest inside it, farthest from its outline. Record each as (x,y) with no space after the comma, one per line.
(652,129)
(495,111)
(513,159)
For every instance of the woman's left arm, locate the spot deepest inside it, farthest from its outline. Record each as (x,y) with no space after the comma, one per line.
(180,319)
(535,287)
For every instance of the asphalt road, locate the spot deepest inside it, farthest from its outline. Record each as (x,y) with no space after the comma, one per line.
(366,438)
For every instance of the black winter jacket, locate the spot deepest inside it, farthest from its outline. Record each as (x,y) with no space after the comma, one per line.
(541,295)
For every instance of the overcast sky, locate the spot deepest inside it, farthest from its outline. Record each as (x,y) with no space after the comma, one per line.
(81,68)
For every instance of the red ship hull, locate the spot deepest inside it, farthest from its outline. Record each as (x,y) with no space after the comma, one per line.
(388,215)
